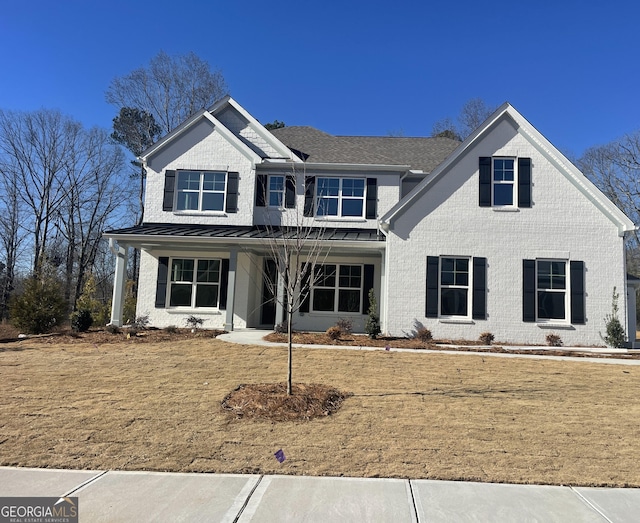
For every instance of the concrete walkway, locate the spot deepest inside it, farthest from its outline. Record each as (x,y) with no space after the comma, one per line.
(255,337)
(112,496)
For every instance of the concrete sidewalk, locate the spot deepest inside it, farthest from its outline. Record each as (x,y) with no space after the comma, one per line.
(112,496)
(255,337)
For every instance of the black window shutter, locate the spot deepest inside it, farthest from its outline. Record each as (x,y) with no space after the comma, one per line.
(576,272)
(290,192)
(485,181)
(224,284)
(261,190)
(232,193)
(529,291)
(306,289)
(372,198)
(169,185)
(524,182)
(479,306)
(433,266)
(161,283)
(368,285)
(309,194)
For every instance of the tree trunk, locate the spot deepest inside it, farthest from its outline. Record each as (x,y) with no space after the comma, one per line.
(290,331)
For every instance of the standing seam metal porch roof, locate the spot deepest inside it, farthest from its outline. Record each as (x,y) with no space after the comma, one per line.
(254,232)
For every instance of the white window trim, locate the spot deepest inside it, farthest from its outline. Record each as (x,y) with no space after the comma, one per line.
(283,193)
(194,284)
(340,198)
(336,288)
(468,287)
(566,291)
(201,191)
(514,196)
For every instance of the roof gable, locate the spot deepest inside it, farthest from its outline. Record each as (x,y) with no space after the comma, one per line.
(540,143)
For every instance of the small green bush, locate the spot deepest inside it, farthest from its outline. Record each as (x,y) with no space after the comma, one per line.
(171,329)
(113,329)
(193,322)
(81,320)
(615,336)
(372,326)
(40,308)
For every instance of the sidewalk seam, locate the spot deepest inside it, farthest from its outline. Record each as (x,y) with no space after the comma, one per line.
(414,514)
(591,505)
(85,483)
(246,501)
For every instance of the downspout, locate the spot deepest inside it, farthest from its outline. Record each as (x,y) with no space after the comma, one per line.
(383,227)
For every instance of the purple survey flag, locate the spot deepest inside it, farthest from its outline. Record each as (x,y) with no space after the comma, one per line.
(387,347)
(280,456)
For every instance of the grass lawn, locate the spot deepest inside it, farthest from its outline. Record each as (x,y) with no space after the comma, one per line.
(128,404)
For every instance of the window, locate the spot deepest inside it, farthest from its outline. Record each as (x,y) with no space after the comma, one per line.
(454,286)
(551,289)
(276,191)
(344,197)
(194,283)
(337,288)
(505,182)
(200,191)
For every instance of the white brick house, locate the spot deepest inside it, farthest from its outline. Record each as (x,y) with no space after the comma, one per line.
(500,233)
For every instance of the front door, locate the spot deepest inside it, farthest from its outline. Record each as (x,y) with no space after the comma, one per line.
(269,282)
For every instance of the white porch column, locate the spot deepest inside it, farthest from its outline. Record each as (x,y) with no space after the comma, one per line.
(280,300)
(231,289)
(119,281)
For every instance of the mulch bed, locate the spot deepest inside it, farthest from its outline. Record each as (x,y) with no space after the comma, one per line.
(357,340)
(270,401)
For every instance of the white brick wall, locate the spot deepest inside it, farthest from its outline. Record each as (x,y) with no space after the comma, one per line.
(206,149)
(448,221)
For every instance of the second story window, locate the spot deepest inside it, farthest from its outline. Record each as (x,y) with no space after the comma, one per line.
(276,191)
(503,181)
(344,197)
(200,191)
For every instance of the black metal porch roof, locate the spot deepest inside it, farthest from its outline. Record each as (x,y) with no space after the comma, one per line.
(254,232)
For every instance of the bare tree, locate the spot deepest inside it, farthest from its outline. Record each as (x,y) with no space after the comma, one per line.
(615,169)
(170,88)
(296,244)
(11,237)
(472,114)
(93,194)
(34,150)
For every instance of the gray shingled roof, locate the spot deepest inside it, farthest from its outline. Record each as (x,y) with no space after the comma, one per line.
(319,147)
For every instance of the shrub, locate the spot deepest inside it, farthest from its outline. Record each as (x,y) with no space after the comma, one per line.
(615,336)
(334,332)
(345,325)
(171,329)
(193,322)
(81,320)
(129,306)
(88,300)
(553,340)
(282,328)
(141,323)
(113,329)
(372,326)
(420,332)
(486,338)
(40,307)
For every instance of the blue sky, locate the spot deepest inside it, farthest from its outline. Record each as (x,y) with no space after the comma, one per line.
(346,67)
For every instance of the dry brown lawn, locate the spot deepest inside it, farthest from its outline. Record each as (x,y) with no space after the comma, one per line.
(131,404)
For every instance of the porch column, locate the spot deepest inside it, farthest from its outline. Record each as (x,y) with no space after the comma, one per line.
(382,299)
(280,300)
(119,281)
(231,289)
